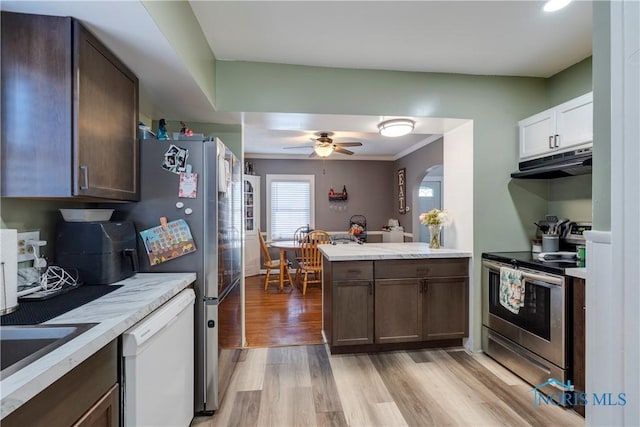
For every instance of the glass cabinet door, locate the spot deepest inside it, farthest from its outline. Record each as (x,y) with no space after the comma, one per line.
(249,223)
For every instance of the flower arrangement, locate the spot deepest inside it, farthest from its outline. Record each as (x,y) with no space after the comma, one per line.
(434,220)
(434,217)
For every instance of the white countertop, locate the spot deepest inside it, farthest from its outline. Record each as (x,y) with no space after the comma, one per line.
(115,313)
(580,273)
(374,251)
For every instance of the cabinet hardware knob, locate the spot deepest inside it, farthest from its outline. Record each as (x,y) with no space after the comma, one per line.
(85,171)
(556,141)
(370,288)
(550,141)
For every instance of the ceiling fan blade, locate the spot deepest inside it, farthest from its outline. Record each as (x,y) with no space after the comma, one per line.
(348,144)
(342,150)
(313,154)
(298,146)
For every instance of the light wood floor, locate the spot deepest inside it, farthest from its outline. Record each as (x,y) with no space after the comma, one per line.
(275,318)
(304,386)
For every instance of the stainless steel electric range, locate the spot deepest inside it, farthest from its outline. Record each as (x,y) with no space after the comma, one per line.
(534,343)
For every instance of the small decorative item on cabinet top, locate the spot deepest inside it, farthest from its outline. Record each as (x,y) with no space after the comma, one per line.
(434,220)
(162,130)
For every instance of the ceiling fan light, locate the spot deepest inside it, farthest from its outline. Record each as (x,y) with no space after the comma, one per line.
(323,150)
(553,5)
(396,127)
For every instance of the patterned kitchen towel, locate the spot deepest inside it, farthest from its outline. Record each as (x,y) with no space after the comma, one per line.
(511,289)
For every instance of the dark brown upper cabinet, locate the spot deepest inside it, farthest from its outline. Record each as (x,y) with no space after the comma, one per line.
(69,113)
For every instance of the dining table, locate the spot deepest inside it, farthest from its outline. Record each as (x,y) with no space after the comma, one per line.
(283,246)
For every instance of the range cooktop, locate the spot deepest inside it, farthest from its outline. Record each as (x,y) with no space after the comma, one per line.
(530,260)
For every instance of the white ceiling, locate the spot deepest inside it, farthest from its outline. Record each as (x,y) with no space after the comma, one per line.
(510,38)
(269,135)
(476,37)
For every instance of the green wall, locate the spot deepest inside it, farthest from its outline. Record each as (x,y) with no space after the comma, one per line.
(181,28)
(570,197)
(570,83)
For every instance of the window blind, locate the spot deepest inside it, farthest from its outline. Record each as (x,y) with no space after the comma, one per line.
(290,207)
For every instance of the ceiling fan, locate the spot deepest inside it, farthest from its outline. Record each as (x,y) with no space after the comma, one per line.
(324,145)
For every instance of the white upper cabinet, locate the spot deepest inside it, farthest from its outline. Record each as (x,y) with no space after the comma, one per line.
(559,129)
(537,134)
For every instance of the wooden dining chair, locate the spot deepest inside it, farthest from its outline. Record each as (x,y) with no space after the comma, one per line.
(270,264)
(311,257)
(298,237)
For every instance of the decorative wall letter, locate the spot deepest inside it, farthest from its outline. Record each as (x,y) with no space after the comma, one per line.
(402,191)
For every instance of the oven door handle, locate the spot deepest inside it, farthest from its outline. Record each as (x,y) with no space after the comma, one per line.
(553,280)
(544,281)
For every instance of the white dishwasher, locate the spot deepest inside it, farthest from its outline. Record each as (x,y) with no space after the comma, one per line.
(158,366)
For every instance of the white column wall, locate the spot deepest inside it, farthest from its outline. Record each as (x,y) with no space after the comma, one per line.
(613,270)
(458,186)
(458,201)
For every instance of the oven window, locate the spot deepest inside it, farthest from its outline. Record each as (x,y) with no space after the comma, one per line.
(534,317)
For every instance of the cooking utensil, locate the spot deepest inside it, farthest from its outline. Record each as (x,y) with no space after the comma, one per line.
(551,221)
(559,225)
(543,228)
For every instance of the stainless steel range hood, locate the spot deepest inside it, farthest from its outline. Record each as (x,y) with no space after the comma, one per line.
(556,166)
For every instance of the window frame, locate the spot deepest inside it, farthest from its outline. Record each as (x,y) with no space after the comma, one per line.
(291,178)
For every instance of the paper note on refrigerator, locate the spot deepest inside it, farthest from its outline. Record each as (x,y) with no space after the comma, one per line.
(188,187)
(164,245)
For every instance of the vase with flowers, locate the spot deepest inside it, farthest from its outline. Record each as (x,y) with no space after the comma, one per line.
(434,220)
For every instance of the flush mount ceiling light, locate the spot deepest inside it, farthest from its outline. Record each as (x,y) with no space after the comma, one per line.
(396,127)
(553,5)
(323,150)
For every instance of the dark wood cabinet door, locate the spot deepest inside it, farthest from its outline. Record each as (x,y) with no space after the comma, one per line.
(579,331)
(106,144)
(352,312)
(36,106)
(446,308)
(89,387)
(104,413)
(69,113)
(398,310)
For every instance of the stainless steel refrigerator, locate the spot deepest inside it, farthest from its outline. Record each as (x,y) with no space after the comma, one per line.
(214,217)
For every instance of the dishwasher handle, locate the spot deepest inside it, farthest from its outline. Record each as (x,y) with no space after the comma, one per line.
(143,331)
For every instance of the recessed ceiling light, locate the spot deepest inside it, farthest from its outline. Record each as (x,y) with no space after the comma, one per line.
(396,127)
(553,5)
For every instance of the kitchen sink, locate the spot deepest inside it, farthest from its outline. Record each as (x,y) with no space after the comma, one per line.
(21,345)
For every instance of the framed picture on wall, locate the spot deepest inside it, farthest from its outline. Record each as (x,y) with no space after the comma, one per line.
(402,191)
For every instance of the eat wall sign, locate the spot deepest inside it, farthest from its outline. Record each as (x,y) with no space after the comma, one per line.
(402,191)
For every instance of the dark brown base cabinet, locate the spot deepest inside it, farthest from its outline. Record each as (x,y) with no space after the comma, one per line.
(392,304)
(579,355)
(69,113)
(446,308)
(352,315)
(86,396)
